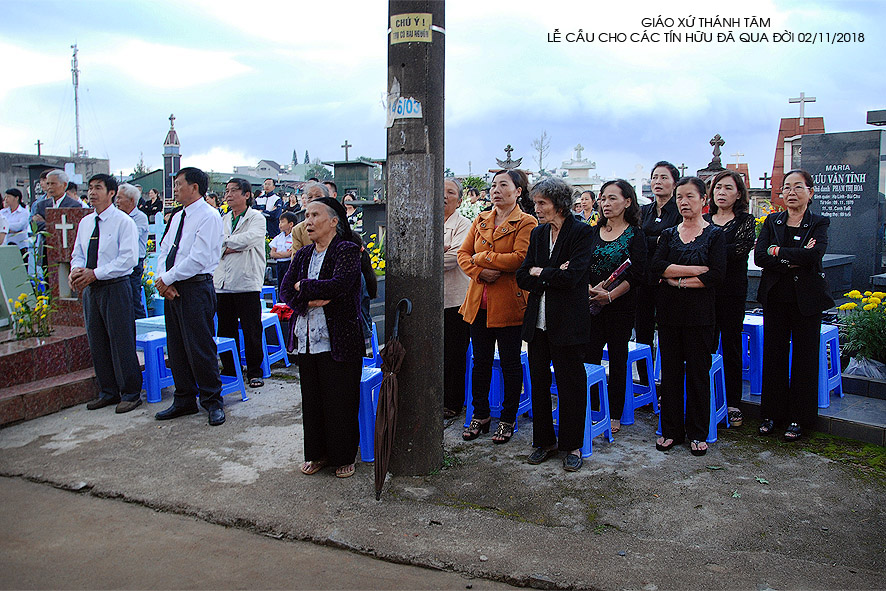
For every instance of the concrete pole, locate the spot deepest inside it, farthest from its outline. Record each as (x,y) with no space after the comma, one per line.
(414,239)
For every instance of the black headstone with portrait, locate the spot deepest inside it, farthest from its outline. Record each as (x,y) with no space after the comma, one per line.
(849,175)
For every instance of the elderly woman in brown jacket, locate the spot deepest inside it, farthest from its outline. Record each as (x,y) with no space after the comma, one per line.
(490,255)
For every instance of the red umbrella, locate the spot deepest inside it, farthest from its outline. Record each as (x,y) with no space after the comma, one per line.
(386,416)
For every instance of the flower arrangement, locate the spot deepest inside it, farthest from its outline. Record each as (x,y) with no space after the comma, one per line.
(148,284)
(376,248)
(863,325)
(152,246)
(766,208)
(32,321)
(470,210)
(268,248)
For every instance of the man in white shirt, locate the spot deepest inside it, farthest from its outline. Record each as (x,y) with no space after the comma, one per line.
(105,250)
(188,255)
(128,197)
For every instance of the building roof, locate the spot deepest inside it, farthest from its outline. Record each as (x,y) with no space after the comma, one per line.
(272,164)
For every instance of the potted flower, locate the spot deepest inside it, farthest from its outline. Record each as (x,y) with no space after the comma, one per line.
(863,333)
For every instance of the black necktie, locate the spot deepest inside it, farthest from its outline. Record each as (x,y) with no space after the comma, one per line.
(170,258)
(92,249)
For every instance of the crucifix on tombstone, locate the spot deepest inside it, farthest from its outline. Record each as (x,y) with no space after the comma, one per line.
(62,226)
(765,178)
(683,168)
(802,99)
(717,142)
(578,150)
(737,155)
(346,145)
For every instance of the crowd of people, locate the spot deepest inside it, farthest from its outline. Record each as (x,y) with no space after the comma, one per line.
(566,273)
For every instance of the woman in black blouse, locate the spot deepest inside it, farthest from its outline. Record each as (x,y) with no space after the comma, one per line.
(656,216)
(616,238)
(728,198)
(794,293)
(690,261)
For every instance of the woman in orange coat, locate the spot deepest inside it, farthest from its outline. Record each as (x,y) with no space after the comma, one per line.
(490,255)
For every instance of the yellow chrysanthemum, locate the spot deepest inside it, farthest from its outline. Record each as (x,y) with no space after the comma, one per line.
(869,307)
(10,300)
(150,273)
(854,294)
(381,265)
(874,300)
(150,282)
(867,293)
(22,297)
(370,245)
(864,300)
(18,305)
(43,316)
(879,294)
(848,306)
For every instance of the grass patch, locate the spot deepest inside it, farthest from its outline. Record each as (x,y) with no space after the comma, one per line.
(868,458)
(286,377)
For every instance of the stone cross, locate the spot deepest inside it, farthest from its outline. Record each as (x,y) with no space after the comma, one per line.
(171,121)
(683,168)
(802,99)
(509,163)
(717,141)
(737,156)
(765,178)
(508,151)
(346,145)
(578,150)
(64,227)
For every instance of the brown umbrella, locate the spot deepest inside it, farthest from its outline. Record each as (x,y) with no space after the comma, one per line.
(386,416)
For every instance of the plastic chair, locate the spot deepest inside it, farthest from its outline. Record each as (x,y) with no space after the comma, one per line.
(496,388)
(637,395)
(231,384)
(718,409)
(753,368)
(271,353)
(156,375)
(271,291)
(830,376)
(375,359)
(370,384)
(597,422)
(150,324)
(144,301)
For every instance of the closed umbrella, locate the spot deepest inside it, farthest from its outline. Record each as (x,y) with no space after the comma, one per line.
(386,416)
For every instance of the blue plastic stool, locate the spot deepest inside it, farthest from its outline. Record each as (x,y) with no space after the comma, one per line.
(597,422)
(496,388)
(231,384)
(375,360)
(271,291)
(718,409)
(753,367)
(829,377)
(156,375)
(370,384)
(144,301)
(270,353)
(637,395)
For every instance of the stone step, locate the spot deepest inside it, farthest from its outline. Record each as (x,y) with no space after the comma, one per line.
(66,351)
(30,400)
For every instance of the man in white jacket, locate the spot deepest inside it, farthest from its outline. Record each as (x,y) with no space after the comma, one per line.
(239,276)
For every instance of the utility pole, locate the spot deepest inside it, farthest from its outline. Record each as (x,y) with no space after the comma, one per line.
(414,239)
(75,75)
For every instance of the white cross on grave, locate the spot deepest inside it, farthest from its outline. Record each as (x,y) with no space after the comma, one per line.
(802,99)
(64,227)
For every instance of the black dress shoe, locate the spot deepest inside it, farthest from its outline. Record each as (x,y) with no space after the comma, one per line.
(101,403)
(176,411)
(540,455)
(216,417)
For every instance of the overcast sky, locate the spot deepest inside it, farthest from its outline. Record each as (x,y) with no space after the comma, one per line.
(259,79)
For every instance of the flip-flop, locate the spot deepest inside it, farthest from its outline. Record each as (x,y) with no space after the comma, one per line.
(345,471)
(256,382)
(312,467)
(614,428)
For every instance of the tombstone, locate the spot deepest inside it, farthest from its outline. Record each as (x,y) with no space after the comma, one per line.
(849,175)
(62,223)
(14,281)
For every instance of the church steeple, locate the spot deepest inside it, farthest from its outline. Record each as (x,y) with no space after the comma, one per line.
(172,136)
(171,162)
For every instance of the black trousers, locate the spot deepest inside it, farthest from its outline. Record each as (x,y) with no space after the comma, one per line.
(280,268)
(135,282)
(644,325)
(685,355)
(791,399)
(456,335)
(509,346)
(193,354)
(730,323)
(572,394)
(330,401)
(110,329)
(612,328)
(236,311)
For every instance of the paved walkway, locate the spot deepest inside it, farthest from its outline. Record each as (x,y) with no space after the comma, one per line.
(753,514)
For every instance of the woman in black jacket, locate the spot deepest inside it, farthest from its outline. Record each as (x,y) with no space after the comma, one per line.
(794,293)
(616,238)
(556,323)
(728,199)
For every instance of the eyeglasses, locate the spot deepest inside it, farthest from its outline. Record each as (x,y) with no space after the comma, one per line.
(797,189)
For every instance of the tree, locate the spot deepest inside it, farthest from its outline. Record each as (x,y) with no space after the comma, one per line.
(140,168)
(318,170)
(448,172)
(307,158)
(541,145)
(475,181)
(294,158)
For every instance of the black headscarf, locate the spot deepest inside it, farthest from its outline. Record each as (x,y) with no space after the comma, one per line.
(344,230)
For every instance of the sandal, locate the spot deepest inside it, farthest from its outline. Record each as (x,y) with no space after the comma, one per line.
(475,428)
(793,433)
(256,382)
(345,471)
(615,426)
(660,445)
(735,417)
(766,427)
(312,467)
(504,432)
(696,449)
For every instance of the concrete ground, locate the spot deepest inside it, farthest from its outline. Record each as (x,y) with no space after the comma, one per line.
(752,514)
